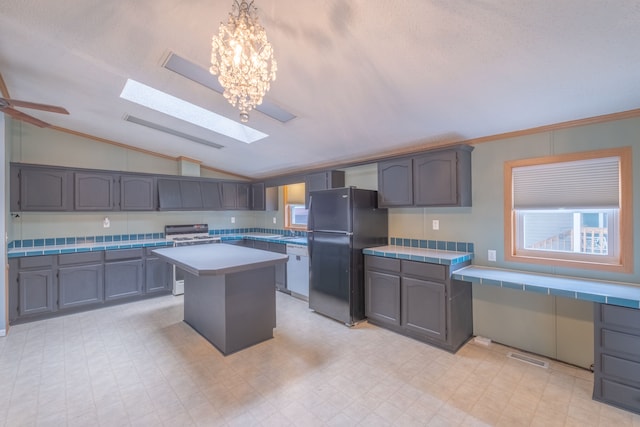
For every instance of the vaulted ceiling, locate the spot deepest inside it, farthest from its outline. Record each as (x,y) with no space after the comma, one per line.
(362,77)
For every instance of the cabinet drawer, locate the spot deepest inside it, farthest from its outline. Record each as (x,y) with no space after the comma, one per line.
(627,370)
(123,254)
(426,270)
(619,342)
(620,316)
(80,258)
(36,261)
(381,263)
(621,394)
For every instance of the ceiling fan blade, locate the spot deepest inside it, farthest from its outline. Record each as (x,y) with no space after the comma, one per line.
(18,115)
(3,88)
(36,106)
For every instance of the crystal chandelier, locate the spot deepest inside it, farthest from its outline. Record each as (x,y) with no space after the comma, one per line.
(243,59)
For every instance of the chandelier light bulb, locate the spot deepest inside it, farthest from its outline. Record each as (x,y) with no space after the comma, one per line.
(242,58)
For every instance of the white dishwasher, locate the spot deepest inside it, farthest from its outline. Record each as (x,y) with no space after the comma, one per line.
(298,271)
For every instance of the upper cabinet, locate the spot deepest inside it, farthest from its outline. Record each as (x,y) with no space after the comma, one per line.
(438,178)
(137,193)
(94,192)
(179,194)
(395,183)
(322,181)
(211,196)
(236,195)
(41,189)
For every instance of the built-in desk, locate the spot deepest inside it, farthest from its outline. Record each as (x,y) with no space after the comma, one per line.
(229,292)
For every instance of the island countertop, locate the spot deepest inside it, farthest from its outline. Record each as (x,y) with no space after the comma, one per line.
(219,259)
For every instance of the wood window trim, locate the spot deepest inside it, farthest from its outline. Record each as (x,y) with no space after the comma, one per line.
(625,264)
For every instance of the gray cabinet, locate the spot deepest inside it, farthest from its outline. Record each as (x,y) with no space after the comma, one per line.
(395,183)
(236,195)
(123,273)
(419,300)
(322,181)
(35,292)
(211,197)
(438,178)
(94,192)
(617,356)
(385,304)
(137,193)
(80,285)
(157,275)
(424,308)
(258,197)
(41,189)
(179,194)
(80,279)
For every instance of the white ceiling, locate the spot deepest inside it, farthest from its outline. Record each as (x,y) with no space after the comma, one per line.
(363,77)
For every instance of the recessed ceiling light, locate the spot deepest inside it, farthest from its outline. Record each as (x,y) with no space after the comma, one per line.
(175,107)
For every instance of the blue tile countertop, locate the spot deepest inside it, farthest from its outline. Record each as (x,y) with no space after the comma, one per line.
(55,246)
(433,256)
(615,293)
(84,247)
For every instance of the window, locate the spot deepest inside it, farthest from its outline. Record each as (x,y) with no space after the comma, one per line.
(570,210)
(295,216)
(298,215)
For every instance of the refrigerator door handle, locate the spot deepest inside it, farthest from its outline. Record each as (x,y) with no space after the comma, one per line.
(310,245)
(310,218)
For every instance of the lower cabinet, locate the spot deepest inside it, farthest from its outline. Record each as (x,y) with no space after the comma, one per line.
(157,273)
(123,273)
(418,300)
(617,356)
(35,292)
(41,286)
(80,285)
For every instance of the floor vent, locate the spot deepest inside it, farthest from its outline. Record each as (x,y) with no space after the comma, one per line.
(528,359)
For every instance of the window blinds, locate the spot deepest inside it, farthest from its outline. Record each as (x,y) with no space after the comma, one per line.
(580,184)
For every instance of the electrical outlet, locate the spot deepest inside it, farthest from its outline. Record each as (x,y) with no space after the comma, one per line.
(233,220)
(106,223)
(436,224)
(491,255)
(274,220)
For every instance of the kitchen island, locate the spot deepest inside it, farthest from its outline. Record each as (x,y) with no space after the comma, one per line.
(229,292)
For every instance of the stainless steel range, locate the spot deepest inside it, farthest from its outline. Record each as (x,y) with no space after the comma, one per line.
(183,235)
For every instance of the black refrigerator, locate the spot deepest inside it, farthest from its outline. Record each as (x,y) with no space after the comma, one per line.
(342,221)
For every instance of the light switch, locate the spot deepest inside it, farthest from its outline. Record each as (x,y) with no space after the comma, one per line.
(491,255)
(436,224)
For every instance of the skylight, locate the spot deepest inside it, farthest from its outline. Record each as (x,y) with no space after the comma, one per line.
(175,107)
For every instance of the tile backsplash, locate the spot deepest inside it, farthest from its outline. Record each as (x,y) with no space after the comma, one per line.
(440,245)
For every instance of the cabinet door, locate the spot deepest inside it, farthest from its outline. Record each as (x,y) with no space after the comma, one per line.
(94,192)
(211,197)
(35,292)
(190,195)
(244,196)
(271,198)
(382,297)
(123,279)
(424,308)
(137,193)
(435,179)
(258,197)
(169,194)
(157,274)
(395,187)
(80,285)
(44,190)
(229,195)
